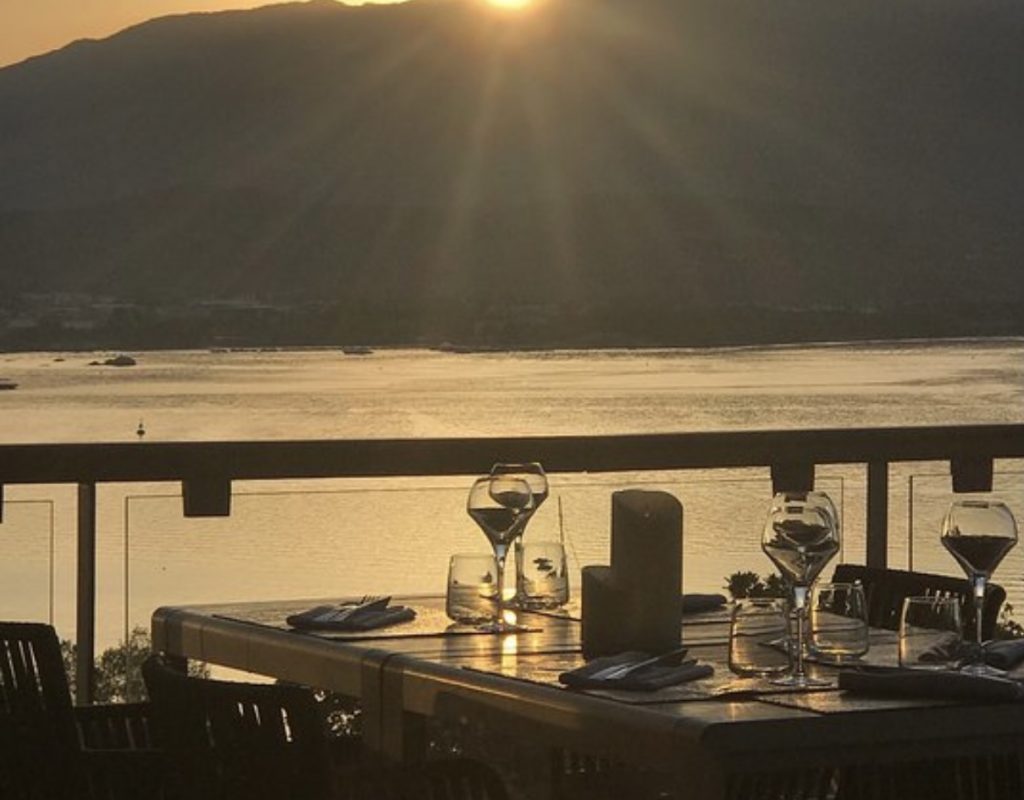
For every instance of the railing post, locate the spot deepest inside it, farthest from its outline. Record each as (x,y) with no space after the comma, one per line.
(971,473)
(794,476)
(878,514)
(910,523)
(86,593)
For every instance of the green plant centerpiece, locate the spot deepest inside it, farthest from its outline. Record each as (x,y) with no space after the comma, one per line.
(742,585)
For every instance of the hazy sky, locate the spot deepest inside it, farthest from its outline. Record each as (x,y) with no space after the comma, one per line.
(31,27)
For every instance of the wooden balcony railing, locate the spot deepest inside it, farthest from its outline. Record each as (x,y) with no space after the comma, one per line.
(206,470)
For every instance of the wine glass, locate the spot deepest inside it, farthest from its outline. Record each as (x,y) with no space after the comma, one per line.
(978,533)
(497,505)
(533,473)
(801,535)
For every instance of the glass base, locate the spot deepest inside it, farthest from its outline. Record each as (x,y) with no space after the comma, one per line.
(501,626)
(801,682)
(836,659)
(982,669)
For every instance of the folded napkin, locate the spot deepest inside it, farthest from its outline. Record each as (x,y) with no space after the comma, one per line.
(351,616)
(696,603)
(936,684)
(949,648)
(644,679)
(1004,653)
(1001,653)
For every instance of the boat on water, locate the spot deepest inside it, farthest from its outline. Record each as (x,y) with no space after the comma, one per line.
(5,383)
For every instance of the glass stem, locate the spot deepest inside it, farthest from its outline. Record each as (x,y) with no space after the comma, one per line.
(517,548)
(800,612)
(979,582)
(500,552)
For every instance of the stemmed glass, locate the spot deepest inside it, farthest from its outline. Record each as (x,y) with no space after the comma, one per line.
(497,504)
(979,533)
(533,473)
(801,535)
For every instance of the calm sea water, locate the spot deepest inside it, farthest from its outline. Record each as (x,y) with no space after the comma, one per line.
(309,539)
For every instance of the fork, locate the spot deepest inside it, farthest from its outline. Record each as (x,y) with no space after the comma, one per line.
(367,603)
(619,671)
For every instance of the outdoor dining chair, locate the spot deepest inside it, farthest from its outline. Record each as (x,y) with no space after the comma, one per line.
(232,740)
(238,741)
(51,749)
(886,589)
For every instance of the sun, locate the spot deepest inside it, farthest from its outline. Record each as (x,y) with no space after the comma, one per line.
(509,4)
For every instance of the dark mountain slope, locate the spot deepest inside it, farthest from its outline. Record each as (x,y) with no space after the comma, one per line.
(660,154)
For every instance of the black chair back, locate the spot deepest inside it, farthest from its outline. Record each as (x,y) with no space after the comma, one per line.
(239,741)
(38,739)
(886,589)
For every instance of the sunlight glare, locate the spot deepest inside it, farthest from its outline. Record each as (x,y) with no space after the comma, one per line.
(509,4)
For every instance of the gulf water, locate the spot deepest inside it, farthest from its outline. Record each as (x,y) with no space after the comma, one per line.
(325,538)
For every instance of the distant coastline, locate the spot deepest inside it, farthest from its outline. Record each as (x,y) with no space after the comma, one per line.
(141,327)
(60,353)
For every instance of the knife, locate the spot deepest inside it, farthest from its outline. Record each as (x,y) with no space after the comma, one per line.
(619,671)
(378,604)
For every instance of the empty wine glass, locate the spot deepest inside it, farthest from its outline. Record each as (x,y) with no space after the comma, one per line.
(497,505)
(801,535)
(979,533)
(533,473)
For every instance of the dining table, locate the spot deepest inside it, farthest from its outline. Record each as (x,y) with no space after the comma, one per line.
(721,736)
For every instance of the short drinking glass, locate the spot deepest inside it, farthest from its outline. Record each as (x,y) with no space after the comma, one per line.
(472,588)
(838,622)
(930,633)
(544,580)
(758,636)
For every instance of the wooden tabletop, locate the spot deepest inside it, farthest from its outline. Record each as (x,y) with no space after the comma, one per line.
(429,668)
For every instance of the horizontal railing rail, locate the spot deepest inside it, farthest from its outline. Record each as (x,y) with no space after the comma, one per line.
(206,470)
(168,461)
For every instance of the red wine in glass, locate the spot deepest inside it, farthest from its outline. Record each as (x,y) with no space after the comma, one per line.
(497,504)
(979,534)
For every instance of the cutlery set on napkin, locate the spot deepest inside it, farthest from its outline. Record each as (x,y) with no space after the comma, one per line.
(366,614)
(636,671)
(999,653)
(931,684)
(944,684)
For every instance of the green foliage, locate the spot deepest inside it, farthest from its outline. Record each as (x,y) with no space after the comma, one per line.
(118,675)
(741,585)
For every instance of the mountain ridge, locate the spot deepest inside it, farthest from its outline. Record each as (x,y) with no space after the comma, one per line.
(648,154)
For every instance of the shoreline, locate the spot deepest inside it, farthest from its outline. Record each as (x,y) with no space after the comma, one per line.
(369,350)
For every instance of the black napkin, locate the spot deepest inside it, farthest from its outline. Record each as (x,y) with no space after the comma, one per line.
(1001,653)
(949,648)
(645,679)
(936,684)
(1004,653)
(350,618)
(696,603)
